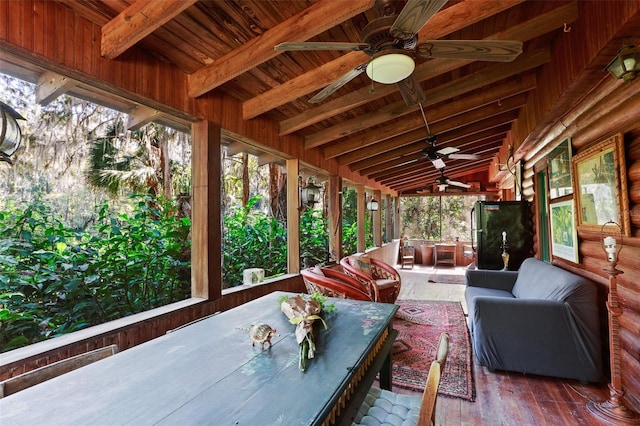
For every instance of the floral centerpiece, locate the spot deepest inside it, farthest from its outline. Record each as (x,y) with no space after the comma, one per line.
(303,311)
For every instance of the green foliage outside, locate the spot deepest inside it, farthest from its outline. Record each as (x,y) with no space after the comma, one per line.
(350,224)
(55,279)
(437,218)
(252,239)
(314,239)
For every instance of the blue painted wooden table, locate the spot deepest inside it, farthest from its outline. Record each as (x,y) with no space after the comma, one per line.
(209,373)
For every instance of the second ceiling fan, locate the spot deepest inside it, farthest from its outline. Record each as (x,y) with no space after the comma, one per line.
(392,42)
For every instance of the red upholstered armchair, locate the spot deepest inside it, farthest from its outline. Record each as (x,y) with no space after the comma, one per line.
(332,283)
(383,280)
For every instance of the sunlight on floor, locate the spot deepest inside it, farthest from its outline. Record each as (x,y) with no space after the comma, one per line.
(416,285)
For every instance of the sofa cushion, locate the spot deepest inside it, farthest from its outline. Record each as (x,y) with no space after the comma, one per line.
(540,280)
(318,270)
(363,264)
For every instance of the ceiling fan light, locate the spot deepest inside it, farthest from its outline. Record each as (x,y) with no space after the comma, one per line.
(390,68)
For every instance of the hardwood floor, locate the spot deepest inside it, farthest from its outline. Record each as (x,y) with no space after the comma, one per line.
(504,398)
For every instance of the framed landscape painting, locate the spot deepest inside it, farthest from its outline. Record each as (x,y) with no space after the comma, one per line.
(600,190)
(564,236)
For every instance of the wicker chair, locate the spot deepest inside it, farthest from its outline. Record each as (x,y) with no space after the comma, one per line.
(332,283)
(383,280)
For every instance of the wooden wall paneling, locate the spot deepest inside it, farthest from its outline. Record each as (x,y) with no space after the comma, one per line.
(4,18)
(39,34)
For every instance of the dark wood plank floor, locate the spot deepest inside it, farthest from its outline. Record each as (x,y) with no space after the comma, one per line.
(505,398)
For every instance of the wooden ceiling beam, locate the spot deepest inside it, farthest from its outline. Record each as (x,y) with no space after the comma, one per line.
(494,124)
(429,180)
(410,171)
(50,85)
(451,19)
(136,22)
(442,93)
(528,30)
(387,149)
(430,175)
(310,22)
(306,83)
(372,172)
(350,150)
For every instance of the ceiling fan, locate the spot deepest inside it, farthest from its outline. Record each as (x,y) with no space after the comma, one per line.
(444,181)
(437,155)
(392,42)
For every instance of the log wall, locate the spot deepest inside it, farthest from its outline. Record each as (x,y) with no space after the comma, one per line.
(591,257)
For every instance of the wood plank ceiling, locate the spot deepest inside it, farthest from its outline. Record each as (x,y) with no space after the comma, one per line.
(229,46)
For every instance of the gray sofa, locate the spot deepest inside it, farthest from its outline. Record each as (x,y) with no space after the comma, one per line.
(541,320)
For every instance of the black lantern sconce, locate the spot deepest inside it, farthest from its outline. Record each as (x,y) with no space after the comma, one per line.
(626,64)
(310,193)
(373,205)
(10,133)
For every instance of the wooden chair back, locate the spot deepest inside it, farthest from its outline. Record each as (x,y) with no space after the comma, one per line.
(39,375)
(429,397)
(408,257)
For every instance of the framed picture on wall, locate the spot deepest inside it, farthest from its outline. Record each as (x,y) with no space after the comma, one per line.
(559,160)
(600,190)
(564,236)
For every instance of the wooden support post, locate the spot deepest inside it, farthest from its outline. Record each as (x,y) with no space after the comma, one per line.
(335,218)
(360,211)
(377,220)
(388,217)
(293,216)
(206,227)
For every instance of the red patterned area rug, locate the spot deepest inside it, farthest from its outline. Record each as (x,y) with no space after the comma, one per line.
(419,324)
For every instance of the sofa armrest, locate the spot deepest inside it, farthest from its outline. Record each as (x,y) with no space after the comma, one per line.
(499,280)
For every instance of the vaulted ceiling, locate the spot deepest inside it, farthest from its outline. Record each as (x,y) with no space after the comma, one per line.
(369,127)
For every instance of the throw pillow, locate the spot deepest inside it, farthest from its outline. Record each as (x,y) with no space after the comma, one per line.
(363,264)
(317,270)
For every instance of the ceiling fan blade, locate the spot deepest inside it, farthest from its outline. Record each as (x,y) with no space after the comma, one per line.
(415,14)
(438,163)
(480,50)
(447,150)
(458,184)
(320,45)
(464,156)
(327,91)
(411,90)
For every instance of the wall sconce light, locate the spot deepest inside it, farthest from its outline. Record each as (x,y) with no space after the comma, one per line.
(310,193)
(10,133)
(373,205)
(626,64)
(614,408)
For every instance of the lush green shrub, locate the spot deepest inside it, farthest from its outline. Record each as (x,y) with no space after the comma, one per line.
(252,239)
(314,239)
(55,280)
